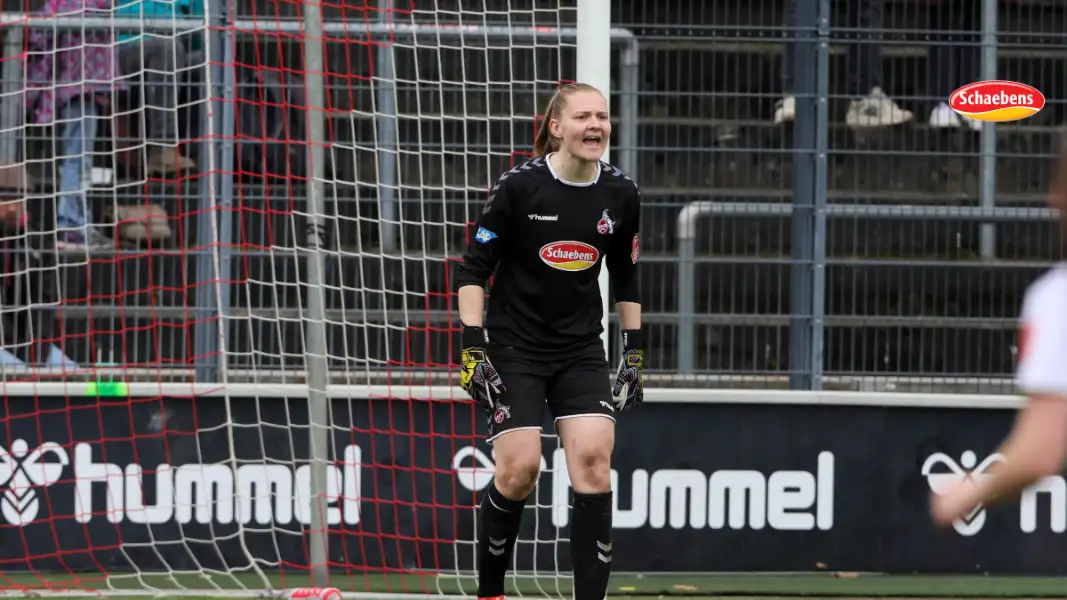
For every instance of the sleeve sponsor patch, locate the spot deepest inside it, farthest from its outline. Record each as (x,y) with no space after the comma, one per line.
(635,253)
(484,235)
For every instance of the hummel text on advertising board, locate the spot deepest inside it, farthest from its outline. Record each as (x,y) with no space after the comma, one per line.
(203,493)
(681,498)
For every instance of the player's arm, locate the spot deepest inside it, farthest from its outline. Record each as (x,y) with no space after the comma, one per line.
(622,265)
(622,262)
(483,253)
(1037,444)
(478,377)
(1035,448)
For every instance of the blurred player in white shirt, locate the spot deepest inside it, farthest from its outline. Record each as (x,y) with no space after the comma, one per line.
(1037,444)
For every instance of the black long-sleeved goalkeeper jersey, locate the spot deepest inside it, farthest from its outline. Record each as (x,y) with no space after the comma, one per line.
(545,239)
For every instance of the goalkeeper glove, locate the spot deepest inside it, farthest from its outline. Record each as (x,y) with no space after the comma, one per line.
(478,376)
(628,390)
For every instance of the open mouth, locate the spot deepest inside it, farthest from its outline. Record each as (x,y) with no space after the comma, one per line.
(592,141)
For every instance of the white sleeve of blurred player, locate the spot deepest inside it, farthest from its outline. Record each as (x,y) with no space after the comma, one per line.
(1042,342)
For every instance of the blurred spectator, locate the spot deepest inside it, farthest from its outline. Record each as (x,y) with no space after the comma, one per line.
(156,62)
(70,74)
(870,106)
(955,57)
(28,320)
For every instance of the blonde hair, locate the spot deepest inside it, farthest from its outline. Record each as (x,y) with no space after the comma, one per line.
(545,142)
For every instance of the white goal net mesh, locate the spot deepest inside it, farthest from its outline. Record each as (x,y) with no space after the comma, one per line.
(169,237)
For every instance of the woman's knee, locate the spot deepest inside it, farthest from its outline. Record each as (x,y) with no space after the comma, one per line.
(588,443)
(518,463)
(590,468)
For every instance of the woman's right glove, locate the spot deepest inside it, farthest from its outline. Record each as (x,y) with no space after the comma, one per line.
(478,376)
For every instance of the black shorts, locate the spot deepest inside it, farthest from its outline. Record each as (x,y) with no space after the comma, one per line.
(574,385)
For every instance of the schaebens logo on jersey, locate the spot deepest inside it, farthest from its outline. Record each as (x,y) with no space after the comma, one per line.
(569,256)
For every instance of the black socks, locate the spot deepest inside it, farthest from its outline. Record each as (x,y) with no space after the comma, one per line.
(591,545)
(499,520)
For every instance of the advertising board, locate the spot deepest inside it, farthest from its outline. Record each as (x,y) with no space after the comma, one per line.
(741,487)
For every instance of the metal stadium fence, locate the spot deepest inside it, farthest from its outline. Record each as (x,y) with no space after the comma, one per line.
(815,217)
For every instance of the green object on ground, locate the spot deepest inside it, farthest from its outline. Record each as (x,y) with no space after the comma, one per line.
(110,389)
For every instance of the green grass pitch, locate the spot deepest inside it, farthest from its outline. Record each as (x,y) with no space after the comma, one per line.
(816,586)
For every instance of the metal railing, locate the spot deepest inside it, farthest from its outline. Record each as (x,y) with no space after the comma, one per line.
(758,300)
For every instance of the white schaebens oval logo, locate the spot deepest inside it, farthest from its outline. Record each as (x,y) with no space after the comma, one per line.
(569,256)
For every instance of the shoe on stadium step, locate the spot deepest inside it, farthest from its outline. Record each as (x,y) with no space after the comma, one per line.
(785,110)
(943,117)
(168,160)
(88,238)
(56,358)
(876,110)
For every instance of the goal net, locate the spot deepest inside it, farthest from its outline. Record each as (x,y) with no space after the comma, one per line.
(255,329)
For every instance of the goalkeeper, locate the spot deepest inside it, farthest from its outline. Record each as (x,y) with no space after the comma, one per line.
(543,233)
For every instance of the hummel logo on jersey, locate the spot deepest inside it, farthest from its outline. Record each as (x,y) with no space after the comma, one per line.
(497,547)
(534,217)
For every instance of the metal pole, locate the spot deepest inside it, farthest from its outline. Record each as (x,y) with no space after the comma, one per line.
(686,296)
(988,187)
(315,348)
(594,68)
(803,235)
(379,31)
(385,119)
(224,199)
(822,150)
(629,83)
(12,105)
(880,211)
(217,135)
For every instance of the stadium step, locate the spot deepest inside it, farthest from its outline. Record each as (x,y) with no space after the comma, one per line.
(399,312)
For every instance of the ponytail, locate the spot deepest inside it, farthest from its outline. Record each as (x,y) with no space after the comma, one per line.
(545,143)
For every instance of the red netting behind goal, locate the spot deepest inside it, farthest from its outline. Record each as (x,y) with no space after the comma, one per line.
(126,468)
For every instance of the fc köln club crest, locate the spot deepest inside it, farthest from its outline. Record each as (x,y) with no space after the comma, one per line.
(501,413)
(605,225)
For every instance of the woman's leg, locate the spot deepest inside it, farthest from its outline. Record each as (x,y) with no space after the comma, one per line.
(77,128)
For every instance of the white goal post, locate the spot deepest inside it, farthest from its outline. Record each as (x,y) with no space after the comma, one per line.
(594,67)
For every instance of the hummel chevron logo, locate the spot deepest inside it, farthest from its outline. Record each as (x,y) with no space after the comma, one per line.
(967,469)
(497,547)
(605,552)
(22,471)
